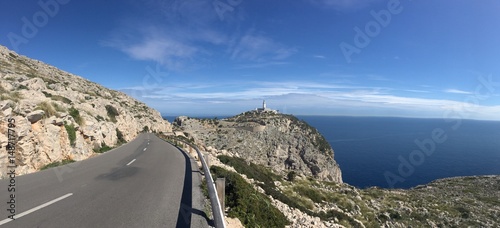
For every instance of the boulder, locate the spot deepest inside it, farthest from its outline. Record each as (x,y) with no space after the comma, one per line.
(35,116)
(54,121)
(4,105)
(35,84)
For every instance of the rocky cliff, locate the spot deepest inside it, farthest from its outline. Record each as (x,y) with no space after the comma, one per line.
(63,116)
(280,142)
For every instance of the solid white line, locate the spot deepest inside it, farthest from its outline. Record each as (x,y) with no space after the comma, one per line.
(131,162)
(36,208)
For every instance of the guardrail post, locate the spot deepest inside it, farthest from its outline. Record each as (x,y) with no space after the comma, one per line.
(220,186)
(207,159)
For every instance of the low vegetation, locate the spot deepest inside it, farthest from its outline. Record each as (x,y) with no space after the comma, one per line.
(112,113)
(70,129)
(457,202)
(251,207)
(58,163)
(47,108)
(103,148)
(13,96)
(73,112)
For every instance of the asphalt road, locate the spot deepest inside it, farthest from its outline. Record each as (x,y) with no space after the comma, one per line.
(144,183)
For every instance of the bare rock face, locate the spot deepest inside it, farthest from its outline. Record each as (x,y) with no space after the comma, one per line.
(35,116)
(280,142)
(51,106)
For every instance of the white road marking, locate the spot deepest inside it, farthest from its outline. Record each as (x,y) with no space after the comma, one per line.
(36,208)
(131,162)
(144,149)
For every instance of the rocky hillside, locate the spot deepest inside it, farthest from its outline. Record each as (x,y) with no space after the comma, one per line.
(282,142)
(308,202)
(63,116)
(263,149)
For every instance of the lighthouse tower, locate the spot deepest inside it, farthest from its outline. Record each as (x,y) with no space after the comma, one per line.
(264,108)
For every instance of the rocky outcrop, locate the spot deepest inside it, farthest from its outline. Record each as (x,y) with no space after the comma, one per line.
(280,142)
(63,116)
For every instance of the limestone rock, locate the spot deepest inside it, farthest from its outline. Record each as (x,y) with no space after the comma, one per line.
(36,84)
(35,116)
(45,102)
(280,142)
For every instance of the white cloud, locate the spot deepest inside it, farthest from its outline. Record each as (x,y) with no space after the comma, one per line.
(173,48)
(457,91)
(315,98)
(257,47)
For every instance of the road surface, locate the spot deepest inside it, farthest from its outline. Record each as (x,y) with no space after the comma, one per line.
(144,183)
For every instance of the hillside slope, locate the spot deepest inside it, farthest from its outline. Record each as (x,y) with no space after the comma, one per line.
(63,116)
(281,142)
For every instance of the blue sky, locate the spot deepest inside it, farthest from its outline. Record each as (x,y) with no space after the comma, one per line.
(308,57)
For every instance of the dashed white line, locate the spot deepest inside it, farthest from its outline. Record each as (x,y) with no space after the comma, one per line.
(36,208)
(144,149)
(131,162)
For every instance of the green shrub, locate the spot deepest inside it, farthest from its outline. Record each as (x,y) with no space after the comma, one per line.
(103,148)
(291,176)
(251,170)
(22,87)
(253,208)
(332,214)
(112,113)
(58,163)
(47,94)
(73,112)
(71,133)
(313,194)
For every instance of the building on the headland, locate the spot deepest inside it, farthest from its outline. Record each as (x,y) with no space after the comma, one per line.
(265,108)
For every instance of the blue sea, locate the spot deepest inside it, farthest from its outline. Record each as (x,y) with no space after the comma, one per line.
(391,152)
(371,150)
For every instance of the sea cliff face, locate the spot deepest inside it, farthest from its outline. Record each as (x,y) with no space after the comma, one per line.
(280,142)
(63,116)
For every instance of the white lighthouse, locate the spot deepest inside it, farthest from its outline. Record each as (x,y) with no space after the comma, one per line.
(265,109)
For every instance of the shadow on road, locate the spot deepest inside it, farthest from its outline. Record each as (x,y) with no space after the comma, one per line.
(186,209)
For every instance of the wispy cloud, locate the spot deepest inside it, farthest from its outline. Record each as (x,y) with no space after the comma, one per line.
(343,5)
(417,91)
(182,40)
(318,98)
(457,91)
(258,47)
(171,49)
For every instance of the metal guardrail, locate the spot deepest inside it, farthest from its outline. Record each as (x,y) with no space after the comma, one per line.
(212,192)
